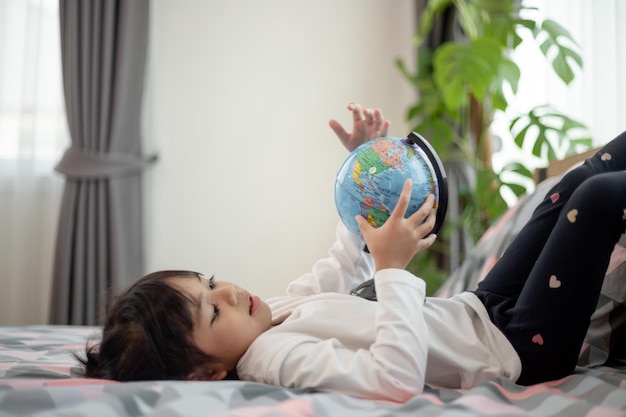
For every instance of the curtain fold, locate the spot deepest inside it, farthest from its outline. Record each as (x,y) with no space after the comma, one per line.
(99,240)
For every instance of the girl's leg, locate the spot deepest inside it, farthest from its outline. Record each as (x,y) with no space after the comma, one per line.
(549,320)
(500,288)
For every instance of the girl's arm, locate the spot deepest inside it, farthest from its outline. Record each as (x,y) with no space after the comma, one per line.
(392,245)
(394,366)
(346,266)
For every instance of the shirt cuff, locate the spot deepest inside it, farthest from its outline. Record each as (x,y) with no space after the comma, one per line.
(398,278)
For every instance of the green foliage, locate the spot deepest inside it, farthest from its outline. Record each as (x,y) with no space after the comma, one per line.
(426,268)
(466,68)
(549,134)
(555,35)
(461,84)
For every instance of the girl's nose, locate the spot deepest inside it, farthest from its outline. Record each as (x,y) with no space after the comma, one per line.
(230,294)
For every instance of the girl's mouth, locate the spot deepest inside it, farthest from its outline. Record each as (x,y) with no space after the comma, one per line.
(254,303)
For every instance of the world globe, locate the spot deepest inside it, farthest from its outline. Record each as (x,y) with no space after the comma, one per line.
(371,178)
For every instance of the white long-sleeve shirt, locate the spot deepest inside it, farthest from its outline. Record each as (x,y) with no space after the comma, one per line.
(333,341)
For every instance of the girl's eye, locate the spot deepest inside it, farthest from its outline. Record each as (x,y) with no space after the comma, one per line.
(216,313)
(211,283)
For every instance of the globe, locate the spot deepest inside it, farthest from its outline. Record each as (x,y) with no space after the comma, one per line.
(371,178)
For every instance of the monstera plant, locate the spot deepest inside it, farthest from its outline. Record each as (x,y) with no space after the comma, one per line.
(462,81)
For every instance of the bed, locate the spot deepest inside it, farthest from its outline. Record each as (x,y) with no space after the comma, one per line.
(39,376)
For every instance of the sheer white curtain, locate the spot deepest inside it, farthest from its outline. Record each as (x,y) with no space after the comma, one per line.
(597,96)
(33,134)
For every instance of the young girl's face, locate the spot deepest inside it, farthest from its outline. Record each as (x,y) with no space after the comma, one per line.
(227,318)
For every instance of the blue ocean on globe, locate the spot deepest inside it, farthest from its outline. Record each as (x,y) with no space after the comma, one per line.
(371,178)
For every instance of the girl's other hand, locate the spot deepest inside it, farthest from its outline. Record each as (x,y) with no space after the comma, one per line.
(368,124)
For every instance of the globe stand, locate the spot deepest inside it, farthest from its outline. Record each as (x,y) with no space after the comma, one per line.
(367,289)
(440,174)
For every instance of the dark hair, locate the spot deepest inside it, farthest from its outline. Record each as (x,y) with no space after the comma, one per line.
(146,334)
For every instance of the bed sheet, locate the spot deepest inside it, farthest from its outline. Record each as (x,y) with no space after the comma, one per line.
(39,377)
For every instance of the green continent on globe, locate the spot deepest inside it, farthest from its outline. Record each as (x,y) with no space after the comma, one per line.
(372,177)
(377,216)
(370,162)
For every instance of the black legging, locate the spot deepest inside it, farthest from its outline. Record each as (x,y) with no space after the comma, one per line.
(542,291)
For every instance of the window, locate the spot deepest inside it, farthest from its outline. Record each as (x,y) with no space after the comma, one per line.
(33,134)
(32,118)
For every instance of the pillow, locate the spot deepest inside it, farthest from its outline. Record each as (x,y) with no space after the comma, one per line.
(605,343)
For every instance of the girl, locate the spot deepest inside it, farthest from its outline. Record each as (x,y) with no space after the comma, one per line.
(526,321)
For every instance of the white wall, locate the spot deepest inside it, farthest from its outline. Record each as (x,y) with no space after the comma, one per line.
(239,99)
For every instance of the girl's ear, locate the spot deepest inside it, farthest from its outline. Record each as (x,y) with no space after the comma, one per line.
(207,372)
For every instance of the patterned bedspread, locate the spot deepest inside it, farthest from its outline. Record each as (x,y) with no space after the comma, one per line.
(38,377)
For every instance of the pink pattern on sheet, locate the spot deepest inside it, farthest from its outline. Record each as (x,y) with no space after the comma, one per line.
(79,381)
(79,348)
(16,383)
(59,368)
(499,224)
(618,257)
(28,355)
(486,406)
(530,390)
(41,342)
(298,407)
(600,411)
(489,263)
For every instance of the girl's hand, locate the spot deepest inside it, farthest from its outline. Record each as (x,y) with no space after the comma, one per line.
(396,242)
(368,124)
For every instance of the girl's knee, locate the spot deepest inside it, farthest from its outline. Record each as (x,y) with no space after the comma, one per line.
(610,185)
(602,193)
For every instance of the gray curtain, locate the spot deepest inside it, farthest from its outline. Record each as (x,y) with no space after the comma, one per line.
(99,239)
